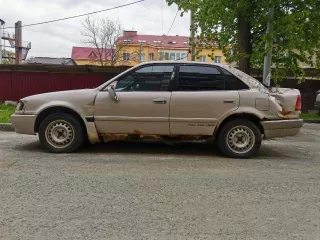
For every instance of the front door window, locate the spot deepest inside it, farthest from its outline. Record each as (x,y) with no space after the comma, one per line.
(149,79)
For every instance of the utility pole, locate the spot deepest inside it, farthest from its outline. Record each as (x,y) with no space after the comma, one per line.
(140,53)
(192,37)
(18,38)
(268,56)
(1,24)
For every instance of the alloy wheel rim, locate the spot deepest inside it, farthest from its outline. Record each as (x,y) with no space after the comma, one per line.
(59,134)
(240,139)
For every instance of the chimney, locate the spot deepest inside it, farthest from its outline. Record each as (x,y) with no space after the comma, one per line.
(129,33)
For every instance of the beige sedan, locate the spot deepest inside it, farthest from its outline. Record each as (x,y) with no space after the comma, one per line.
(165,100)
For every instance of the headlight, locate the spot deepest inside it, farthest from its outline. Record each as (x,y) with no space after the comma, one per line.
(20,106)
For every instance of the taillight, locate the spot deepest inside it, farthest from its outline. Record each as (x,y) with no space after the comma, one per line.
(298,103)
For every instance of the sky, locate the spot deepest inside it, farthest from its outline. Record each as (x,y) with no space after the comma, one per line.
(57,39)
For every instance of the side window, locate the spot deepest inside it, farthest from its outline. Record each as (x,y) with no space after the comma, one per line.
(149,78)
(200,78)
(233,82)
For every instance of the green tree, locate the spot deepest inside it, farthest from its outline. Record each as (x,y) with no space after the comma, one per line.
(7,57)
(240,28)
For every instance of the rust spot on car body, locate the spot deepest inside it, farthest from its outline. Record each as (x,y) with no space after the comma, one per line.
(136,134)
(285,112)
(93,138)
(113,137)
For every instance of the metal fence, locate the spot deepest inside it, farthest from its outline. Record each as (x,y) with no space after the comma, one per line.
(17,82)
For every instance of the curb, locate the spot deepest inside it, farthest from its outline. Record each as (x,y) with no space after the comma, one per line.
(311,121)
(6,127)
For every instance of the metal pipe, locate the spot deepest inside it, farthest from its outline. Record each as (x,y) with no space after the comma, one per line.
(193,33)
(268,56)
(1,31)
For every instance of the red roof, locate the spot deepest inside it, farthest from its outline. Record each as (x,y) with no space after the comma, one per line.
(159,41)
(90,53)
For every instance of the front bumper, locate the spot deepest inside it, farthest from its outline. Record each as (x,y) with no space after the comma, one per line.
(281,128)
(24,124)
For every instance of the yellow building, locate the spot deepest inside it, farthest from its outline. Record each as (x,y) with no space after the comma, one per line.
(132,49)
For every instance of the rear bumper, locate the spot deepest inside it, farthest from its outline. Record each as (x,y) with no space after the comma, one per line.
(281,128)
(23,124)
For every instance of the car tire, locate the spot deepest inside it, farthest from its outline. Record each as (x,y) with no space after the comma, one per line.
(239,138)
(61,133)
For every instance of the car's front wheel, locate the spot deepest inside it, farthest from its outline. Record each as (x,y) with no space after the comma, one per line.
(61,133)
(239,138)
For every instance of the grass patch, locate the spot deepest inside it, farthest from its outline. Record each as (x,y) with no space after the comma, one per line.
(5,112)
(310,116)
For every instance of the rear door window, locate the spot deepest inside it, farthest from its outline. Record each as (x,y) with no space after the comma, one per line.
(200,78)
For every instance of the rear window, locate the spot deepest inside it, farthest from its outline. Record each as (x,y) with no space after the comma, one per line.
(235,83)
(248,80)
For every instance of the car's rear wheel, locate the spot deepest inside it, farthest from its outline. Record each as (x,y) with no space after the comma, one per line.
(61,133)
(239,138)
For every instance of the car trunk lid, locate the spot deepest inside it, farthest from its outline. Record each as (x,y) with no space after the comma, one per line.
(290,101)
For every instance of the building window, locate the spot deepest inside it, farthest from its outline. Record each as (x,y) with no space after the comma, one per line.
(217,59)
(173,55)
(202,58)
(184,56)
(178,56)
(126,56)
(166,56)
(151,56)
(142,57)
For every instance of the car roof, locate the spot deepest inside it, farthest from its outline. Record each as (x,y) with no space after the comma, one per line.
(182,62)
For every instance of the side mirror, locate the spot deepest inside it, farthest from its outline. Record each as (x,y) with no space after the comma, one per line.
(113,93)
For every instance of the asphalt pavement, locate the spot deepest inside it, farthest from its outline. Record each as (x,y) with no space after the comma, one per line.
(149,190)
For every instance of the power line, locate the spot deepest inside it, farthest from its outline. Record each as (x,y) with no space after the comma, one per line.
(81,15)
(170,26)
(161,16)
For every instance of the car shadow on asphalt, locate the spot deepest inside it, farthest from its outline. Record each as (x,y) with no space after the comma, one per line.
(153,147)
(150,147)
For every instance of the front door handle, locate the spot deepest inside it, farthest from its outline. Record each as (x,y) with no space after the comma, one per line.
(229,101)
(160,101)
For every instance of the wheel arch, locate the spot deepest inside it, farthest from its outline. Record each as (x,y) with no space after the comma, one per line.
(58,109)
(250,116)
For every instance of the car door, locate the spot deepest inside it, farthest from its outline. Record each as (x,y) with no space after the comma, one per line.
(143,102)
(200,98)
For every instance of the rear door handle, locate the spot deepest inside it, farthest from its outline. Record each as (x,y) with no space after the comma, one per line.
(160,101)
(229,101)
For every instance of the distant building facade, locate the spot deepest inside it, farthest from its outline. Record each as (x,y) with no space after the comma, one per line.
(133,48)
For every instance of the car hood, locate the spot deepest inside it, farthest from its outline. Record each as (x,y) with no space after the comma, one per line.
(70,95)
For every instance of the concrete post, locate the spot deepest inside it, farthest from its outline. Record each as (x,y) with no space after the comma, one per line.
(18,38)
